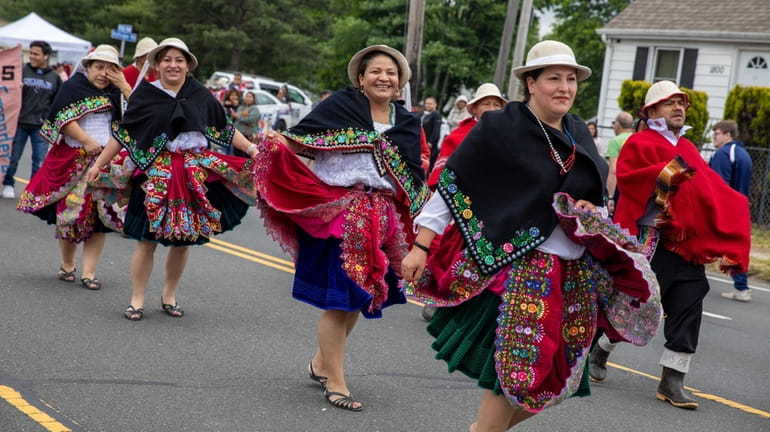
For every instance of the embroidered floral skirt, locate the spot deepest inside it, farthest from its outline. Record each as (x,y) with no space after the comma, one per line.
(347,244)
(183,198)
(59,195)
(526,330)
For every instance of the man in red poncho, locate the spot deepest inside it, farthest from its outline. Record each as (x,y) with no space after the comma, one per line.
(686,216)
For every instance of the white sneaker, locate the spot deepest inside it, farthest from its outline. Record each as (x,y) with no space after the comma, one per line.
(8,192)
(741,296)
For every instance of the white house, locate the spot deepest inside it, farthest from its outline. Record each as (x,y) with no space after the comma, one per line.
(705,45)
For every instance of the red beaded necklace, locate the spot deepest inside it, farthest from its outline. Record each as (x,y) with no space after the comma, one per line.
(567,165)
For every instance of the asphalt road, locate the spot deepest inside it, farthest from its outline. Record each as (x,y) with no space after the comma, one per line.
(236,361)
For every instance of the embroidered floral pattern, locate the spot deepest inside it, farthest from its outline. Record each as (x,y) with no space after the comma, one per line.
(143,158)
(177,208)
(527,318)
(386,155)
(629,297)
(76,207)
(370,242)
(51,129)
(489,257)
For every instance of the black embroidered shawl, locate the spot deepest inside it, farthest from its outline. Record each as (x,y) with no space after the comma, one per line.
(154,118)
(76,98)
(343,121)
(500,182)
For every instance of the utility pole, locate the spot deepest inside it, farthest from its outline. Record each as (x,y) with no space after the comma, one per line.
(505,43)
(518,51)
(413,46)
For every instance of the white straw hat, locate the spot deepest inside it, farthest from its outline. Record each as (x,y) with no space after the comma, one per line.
(144,46)
(661,91)
(172,43)
(485,90)
(403,66)
(105,53)
(551,53)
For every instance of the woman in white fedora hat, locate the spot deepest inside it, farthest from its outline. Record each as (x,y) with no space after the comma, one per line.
(78,128)
(518,275)
(346,218)
(184,193)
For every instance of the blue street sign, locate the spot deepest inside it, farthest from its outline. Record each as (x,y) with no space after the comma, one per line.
(125,28)
(129,37)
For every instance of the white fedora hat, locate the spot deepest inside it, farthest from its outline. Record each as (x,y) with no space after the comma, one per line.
(144,46)
(172,43)
(486,90)
(404,73)
(551,53)
(105,53)
(661,91)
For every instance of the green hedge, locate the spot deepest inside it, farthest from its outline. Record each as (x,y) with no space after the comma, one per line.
(750,108)
(631,99)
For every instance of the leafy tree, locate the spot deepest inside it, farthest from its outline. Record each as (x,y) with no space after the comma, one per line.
(577,22)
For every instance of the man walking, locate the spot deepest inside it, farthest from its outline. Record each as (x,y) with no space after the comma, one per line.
(733,163)
(685,216)
(40,84)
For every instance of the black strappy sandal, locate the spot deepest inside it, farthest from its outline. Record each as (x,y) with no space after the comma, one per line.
(317,378)
(174,310)
(343,401)
(66,276)
(133,314)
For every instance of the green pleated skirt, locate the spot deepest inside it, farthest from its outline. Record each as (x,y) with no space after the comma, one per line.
(465,340)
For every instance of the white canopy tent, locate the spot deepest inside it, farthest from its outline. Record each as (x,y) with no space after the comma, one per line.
(66,47)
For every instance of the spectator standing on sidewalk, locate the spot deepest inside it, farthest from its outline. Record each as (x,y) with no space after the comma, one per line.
(460,111)
(623,125)
(733,163)
(40,84)
(431,124)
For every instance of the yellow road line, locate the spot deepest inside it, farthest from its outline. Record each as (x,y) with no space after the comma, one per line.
(14,398)
(288,266)
(696,392)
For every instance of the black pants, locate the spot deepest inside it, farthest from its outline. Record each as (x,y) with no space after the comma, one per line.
(683,286)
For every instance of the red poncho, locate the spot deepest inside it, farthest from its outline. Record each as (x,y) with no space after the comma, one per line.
(703,219)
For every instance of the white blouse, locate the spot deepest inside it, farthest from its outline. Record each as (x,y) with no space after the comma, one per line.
(96,125)
(339,169)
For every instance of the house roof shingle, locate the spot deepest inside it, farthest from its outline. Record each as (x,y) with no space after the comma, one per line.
(701,16)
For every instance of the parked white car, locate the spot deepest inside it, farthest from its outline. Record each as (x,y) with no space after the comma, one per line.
(299,101)
(273,114)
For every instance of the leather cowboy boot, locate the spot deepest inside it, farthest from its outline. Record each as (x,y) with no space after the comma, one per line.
(597,364)
(671,389)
